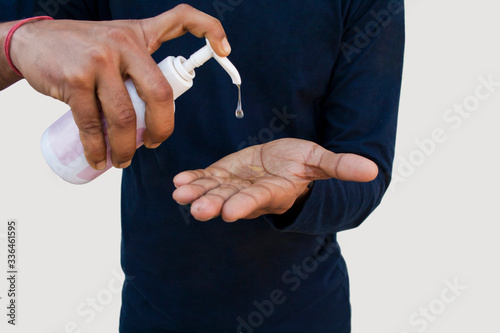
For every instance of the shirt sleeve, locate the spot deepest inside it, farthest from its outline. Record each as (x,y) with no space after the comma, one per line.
(360,116)
(59,9)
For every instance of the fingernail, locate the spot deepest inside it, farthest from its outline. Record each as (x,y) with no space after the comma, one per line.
(124,165)
(225,45)
(101,165)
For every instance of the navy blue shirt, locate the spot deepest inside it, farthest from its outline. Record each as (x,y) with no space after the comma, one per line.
(324,71)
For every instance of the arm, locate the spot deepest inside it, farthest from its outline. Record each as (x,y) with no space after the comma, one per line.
(360,116)
(84,64)
(12,11)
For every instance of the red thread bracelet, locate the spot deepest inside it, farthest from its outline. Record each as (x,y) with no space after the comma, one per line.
(8,39)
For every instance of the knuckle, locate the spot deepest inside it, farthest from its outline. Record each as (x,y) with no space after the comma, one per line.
(124,118)
(90,126)
(99,54)
(167,131)
(156,87)
(183,7)
(216,26)
(162,91)
(78,78)
(149,34)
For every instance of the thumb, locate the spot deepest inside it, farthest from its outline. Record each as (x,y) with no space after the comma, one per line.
(179,20)
(348,167)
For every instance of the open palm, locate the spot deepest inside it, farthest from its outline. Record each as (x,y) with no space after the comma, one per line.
(264,179)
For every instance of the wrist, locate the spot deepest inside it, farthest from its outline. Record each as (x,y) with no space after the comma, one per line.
(283,221)
(17,41)
(16,46)
(305,193)
(7,75)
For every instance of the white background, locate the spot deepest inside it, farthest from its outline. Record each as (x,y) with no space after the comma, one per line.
(438,223)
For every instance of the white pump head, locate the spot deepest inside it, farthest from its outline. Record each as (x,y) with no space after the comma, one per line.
(203,55)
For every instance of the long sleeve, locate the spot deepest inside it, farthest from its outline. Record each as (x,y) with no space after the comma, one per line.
(360,116)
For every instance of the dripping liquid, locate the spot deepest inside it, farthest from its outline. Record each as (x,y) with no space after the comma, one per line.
(239,111)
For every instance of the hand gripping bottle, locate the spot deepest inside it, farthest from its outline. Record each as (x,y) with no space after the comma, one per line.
(61,145)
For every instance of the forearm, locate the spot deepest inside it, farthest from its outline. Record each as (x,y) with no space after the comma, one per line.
(360,113)
(7,75)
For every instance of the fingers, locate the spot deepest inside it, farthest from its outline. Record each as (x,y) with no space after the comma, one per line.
(211,198)
(88,119)
(348,167)
(154,89)
(324,164)
(247,202)
(151,84)
(211,204)
(188,193)
(213,195)
(187,177)
(181,19)
(192,185)
(120,117)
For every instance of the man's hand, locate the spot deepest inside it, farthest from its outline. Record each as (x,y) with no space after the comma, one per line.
(265,179)
(84,64)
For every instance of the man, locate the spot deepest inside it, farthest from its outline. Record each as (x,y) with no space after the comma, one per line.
(312,157)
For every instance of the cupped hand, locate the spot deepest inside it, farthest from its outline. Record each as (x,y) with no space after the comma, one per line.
(265,179)
(84,64)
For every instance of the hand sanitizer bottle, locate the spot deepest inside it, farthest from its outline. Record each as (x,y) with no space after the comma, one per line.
(61,145)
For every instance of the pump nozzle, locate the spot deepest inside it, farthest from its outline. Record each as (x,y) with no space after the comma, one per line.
(203,55)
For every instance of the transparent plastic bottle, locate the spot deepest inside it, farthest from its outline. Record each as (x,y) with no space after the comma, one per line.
(61,145)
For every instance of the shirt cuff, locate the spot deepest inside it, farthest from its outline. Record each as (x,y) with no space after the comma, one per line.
(301,215)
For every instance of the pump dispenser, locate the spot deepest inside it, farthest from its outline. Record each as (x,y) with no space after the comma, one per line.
(61,145)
